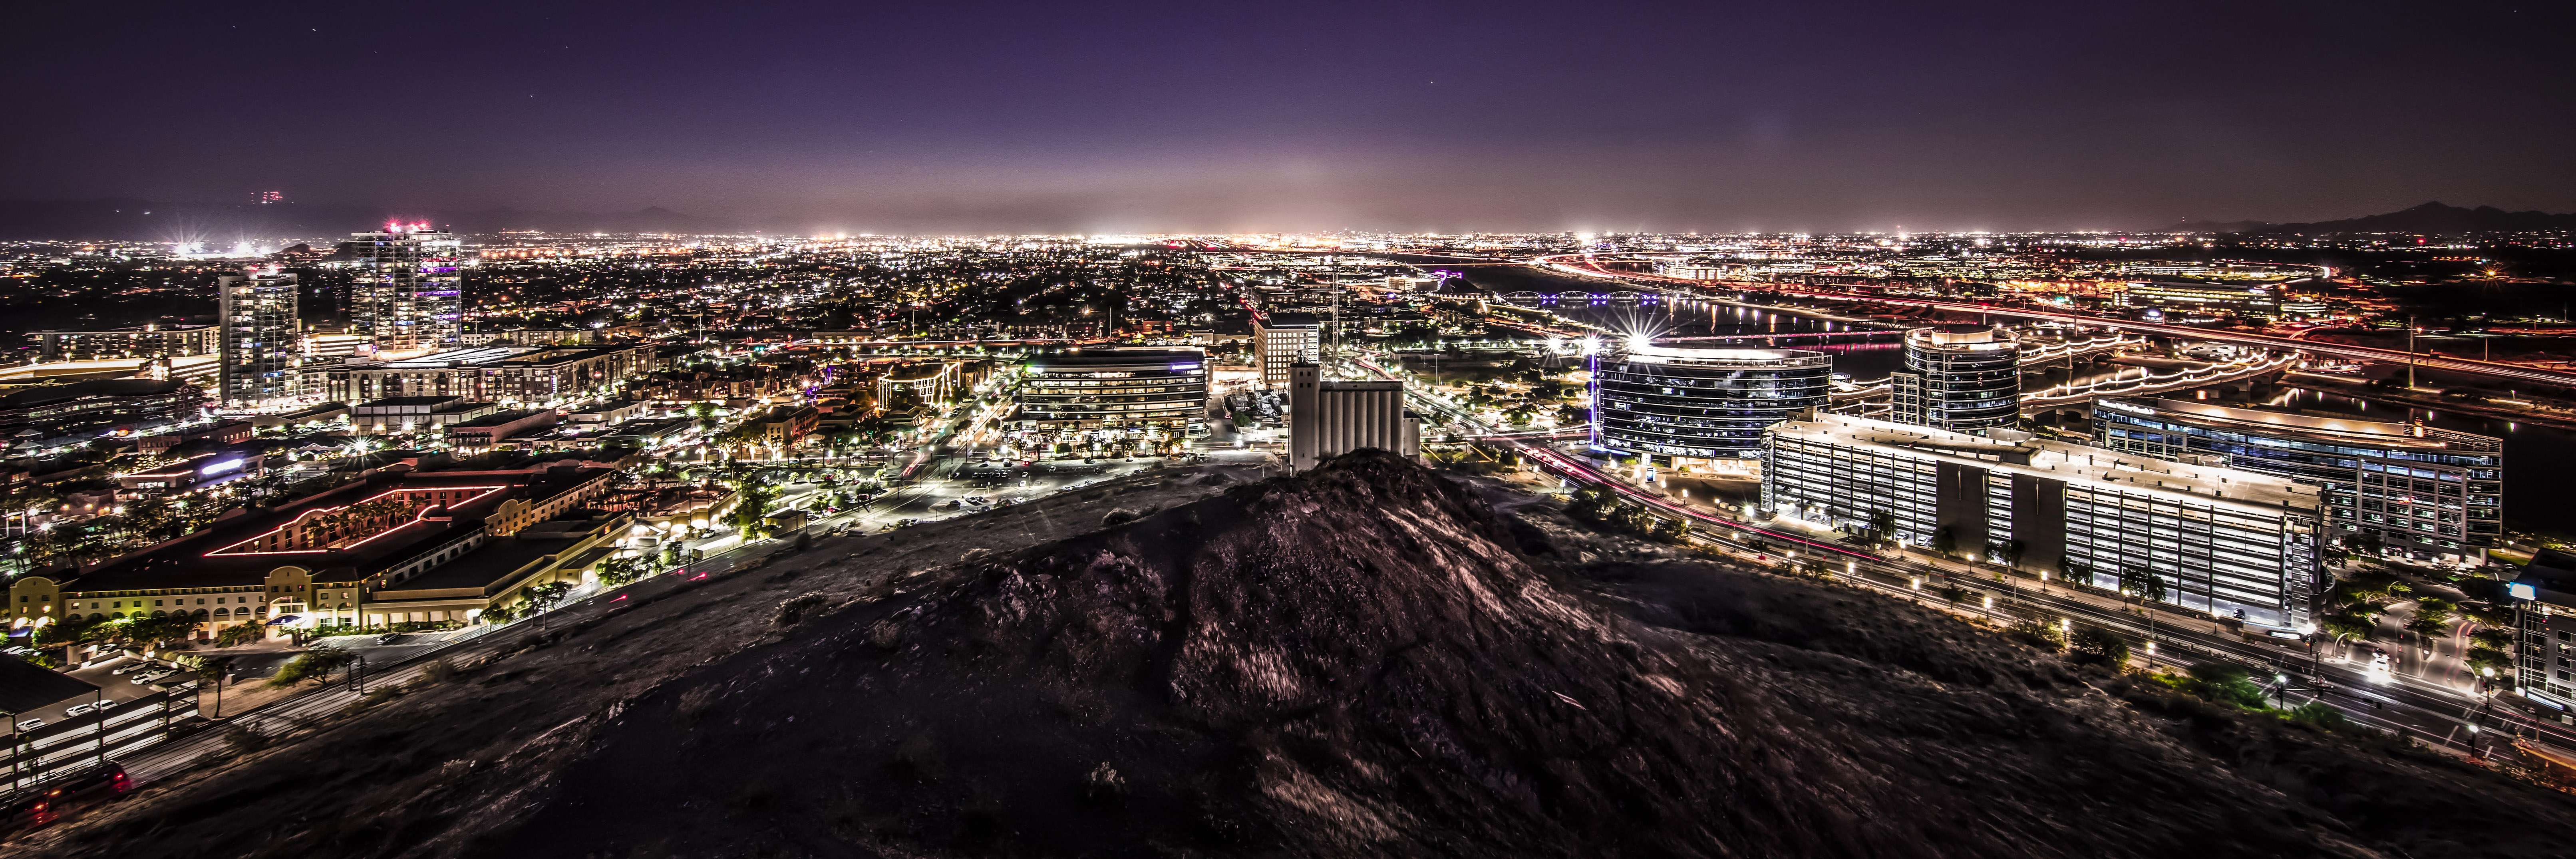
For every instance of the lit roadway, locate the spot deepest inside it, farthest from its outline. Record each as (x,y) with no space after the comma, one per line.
(2462,365)
(2437,713)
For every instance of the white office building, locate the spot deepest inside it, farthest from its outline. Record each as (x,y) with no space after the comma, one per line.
(1284,340)
(2238,544)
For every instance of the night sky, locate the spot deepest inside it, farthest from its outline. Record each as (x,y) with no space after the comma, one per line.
(929,116)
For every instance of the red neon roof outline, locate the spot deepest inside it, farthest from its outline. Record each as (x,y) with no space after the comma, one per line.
(416,517)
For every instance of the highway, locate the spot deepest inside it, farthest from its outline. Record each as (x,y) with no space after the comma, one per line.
(2394,702)
(2488,369)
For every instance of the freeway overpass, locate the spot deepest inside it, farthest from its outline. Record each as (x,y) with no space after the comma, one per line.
(2489,369)
(2445,715)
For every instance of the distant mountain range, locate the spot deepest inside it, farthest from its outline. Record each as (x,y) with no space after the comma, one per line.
(2430,218)
(220,224)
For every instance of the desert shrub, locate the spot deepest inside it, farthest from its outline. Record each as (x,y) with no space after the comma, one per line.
(2222,683)
(2319,714)
(2039,633)
(244,739)
(1104,784)
(2096,645)
(696,703)
(918,759)
(239,634)
(315,665)
(795,608)
(885,634)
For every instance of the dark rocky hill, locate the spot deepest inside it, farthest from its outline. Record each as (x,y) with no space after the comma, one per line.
(1368,661)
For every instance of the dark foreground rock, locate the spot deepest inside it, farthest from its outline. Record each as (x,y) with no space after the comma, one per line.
(1369,662)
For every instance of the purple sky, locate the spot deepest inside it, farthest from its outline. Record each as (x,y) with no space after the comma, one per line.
(919,116)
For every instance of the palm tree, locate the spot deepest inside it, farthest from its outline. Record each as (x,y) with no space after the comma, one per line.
(210,671)
(1882,525)
(2345,628)
(2142,583)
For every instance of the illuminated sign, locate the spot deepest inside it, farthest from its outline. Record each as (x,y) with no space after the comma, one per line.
(2522,591)
(216,468)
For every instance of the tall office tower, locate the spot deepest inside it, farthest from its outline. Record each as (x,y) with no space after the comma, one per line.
(1962,378)
(1283,340)
(1328,419)
(258,346)
(406,293)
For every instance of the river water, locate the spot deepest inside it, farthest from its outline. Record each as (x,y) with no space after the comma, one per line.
(2540,461)
(1684,323)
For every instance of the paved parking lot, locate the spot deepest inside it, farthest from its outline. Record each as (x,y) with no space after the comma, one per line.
(112,686)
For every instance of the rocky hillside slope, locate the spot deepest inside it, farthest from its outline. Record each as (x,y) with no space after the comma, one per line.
(1367,661)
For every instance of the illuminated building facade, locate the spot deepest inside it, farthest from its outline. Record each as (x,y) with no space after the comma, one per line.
(434,546)
(1151,391)
(257,314)
(2544,609)
(1664,402)
(2237,544)
(2261,300)
(513,375)
(152,340)
(1962,378)
(1285,340)
(407,291)
(2411,487)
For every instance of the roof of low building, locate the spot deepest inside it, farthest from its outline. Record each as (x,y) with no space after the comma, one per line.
(26,686)
(2071,463)
(185,563)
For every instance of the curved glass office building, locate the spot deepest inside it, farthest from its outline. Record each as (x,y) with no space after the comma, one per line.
(1665,402)
(1961,378)
(2422,490)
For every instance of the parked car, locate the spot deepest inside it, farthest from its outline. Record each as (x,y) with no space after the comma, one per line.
(389,638)
(30,724)
(78,709)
